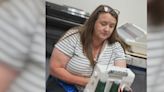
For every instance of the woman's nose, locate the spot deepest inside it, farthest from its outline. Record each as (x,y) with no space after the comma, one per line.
(107,28)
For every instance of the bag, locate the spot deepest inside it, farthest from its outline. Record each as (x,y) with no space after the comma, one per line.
(67,87)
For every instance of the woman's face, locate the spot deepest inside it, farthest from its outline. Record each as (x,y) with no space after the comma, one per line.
(104,26)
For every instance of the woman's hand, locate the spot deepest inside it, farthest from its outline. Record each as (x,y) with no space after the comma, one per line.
(124,88)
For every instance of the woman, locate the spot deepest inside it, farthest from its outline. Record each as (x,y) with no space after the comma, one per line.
(77,52)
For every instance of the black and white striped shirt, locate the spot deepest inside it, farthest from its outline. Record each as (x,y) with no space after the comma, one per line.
(22,42)
(79,64)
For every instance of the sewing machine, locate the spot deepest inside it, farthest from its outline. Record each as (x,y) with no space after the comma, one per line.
(135,37)
(108,78)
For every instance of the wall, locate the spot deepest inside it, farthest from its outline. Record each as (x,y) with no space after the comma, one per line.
(132,11)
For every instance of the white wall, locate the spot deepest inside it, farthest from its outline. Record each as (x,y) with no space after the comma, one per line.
(132,11)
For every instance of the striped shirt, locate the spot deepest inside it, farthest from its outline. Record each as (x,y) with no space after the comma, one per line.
(22,42)
(79,63)
(155,61)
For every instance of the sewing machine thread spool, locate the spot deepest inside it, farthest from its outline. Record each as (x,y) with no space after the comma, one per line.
(101,86)
(115,86)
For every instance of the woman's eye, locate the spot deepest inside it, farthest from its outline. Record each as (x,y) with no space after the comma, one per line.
(103,24)
(111,26)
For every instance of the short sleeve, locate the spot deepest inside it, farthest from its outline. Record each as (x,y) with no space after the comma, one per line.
(67,43)
(118,51)
(14,42)
(22,40)
(37,47)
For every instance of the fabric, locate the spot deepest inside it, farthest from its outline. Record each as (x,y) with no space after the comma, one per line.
(22,42)
(155,45)
(67,87)
(79,64)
